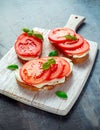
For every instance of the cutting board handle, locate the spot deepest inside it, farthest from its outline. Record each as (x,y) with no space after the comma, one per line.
(75,21)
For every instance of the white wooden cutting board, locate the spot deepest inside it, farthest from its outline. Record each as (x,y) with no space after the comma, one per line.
(47,100)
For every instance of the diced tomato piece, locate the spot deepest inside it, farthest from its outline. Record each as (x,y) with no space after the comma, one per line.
(84,48)
(32,72)
(57,35)
(28,46)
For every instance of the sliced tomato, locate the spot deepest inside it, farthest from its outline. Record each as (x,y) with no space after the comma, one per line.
(32,72)
(28,46)
(66,69)
(84,48)
(57,35)
(21,36)
(72,45)
(56,69)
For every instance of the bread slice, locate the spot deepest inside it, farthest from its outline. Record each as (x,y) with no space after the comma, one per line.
(69,43)
(78,60)
(28,47)
(23,60)
(46,85)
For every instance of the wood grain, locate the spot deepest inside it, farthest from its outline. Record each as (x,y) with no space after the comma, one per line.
(46,100)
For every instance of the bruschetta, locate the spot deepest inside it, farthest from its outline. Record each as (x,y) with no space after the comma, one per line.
(28,45)
(44,73)
(71,44)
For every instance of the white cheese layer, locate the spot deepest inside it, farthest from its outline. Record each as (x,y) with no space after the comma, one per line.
(51,82)
(27,58)
(80,56)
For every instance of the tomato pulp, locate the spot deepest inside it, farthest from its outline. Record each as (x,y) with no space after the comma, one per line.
(57,35)
(32,72)
(28,46)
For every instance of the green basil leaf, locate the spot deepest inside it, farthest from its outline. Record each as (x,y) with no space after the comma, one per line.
(53,53)
(38,35)
(30,33)
(70,37)
(46,66)
(25,30)
(51,61)
(61,94)
(12,67)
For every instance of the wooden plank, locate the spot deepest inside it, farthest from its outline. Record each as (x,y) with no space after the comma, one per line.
(46,100)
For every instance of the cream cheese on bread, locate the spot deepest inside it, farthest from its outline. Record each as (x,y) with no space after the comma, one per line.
(51,82)
(27,58)
(80,56)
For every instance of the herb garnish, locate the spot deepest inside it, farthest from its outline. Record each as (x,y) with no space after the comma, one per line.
(12,67)
(32,32)
(70,37)
(53,53)
(46,65)
(61,94)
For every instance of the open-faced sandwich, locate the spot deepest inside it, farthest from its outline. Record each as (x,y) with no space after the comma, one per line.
(71,44)
(44,73)
(28,45)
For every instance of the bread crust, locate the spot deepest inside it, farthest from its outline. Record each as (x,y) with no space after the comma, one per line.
(46,87)
(78,60)
(24,61)
(21,60)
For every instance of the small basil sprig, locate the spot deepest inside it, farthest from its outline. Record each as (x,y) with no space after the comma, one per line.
(32,32)
(61,94)
(70,37)
(53,53)
(12,67)
(25,30)
(46,65)
(38,35)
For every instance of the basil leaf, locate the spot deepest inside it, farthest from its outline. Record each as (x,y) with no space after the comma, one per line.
(51,61)
(53,53)
(25,30)
(70,37)
(12,67)
(38,35)
(61,94)
(46,66)
(30,33)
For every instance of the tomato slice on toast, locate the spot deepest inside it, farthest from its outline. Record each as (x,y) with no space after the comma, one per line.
(32,72)
(73,44)
(57,35)
(28,46)
(79,51)
(56,69)
(67,68)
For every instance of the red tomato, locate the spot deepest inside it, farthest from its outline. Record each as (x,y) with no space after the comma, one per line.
(84,48)
(32,72)
(56,69)
(57,35)
(66,69)
(73,44)
(28,46)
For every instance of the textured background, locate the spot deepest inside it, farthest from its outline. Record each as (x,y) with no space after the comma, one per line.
(16,14)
